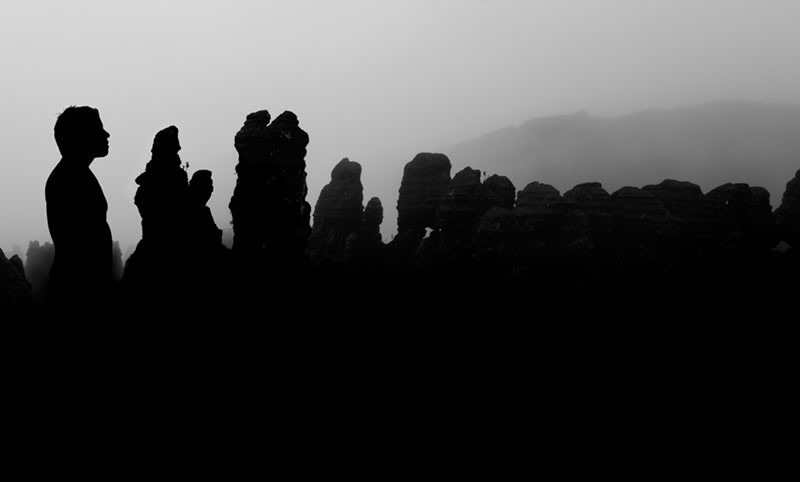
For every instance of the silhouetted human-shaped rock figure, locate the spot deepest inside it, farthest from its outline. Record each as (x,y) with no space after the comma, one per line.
(81,276)
(162,194)
(156,271)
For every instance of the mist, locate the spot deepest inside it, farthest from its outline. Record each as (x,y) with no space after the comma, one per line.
(374,81)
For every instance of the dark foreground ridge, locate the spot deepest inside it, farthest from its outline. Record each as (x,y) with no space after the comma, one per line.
(467,245)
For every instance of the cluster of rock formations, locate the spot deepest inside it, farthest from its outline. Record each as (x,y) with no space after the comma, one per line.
(666,230)
(469,228)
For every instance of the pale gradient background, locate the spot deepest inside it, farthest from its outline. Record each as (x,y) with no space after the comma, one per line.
(374,80)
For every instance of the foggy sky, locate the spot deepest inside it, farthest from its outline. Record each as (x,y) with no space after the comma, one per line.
(373,80)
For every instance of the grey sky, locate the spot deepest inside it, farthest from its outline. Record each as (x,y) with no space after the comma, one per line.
(373,80)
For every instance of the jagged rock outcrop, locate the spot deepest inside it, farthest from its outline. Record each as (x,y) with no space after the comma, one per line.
(463,202)
(788,214)
(38,261)
(338,212)
(15,290)
(424,181)
(271,217)
(500,192)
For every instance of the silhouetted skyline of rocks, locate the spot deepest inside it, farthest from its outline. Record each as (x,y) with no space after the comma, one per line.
(459,231)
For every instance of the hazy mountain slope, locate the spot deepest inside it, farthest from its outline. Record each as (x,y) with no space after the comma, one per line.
(708,144)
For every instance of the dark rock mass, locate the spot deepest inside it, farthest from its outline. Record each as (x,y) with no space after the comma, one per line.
(117,266)
(271,217)
(364,249)
(643,232)
(15,291)
(788,214)
(588,195)
(747,214)
(500,191)
(38,261)
(463,202)
(338,212)
(373,217)
(700,220)
(535,225)
(537,195)
(588,222)
(424,180)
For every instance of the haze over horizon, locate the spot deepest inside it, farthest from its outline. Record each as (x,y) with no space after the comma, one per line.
(374,81)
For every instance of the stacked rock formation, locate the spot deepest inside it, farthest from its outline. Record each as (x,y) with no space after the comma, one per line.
(788,214)
(271,218)
(338,212)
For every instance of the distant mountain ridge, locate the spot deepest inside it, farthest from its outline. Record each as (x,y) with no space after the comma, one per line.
(708,144)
